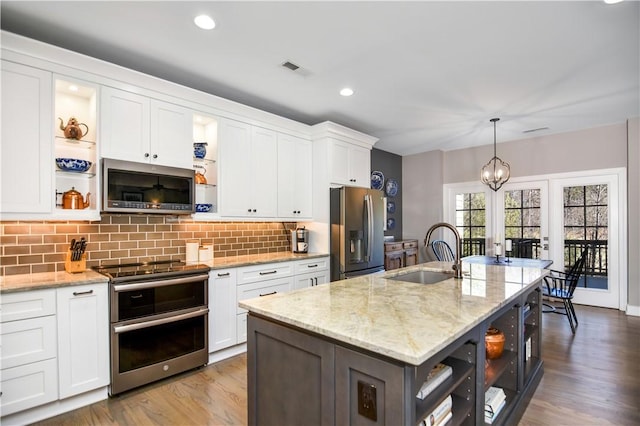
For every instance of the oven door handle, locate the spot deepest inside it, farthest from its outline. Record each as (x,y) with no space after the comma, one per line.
(146,324)
(158,283)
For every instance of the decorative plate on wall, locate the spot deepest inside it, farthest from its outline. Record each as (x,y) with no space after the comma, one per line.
(392,187)
(377,180)
(391,206)
(391,223)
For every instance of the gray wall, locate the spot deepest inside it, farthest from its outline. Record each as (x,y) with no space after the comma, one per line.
(391,167)
(423,177)
(597,148)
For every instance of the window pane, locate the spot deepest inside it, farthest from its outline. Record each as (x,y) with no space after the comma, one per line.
(512,232)
(478,218)
(531,198)
(477,201)
(574,233)
(532,232)
(512,217)
(596,195)
(574,196)
(512,199)
(573,216)
(531,217)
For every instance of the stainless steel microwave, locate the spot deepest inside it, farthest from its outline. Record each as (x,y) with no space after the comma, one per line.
(129,187)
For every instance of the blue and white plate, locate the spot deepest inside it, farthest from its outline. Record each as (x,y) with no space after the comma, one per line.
(391,223)
(391,188)
(377,180)
(73,165)
(391,206)
(203,208)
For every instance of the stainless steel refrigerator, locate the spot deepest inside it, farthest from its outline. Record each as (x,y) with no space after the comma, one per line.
(357,232)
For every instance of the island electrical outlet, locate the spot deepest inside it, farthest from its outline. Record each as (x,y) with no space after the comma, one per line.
(367,401)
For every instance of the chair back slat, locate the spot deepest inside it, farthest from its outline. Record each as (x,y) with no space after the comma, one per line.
(442,251)
(576,271)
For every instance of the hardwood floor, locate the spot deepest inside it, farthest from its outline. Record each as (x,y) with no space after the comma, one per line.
(592,378)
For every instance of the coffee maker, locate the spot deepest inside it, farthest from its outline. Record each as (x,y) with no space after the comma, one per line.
(300,240)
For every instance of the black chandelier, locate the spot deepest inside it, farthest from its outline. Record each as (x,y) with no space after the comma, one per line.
(496,172)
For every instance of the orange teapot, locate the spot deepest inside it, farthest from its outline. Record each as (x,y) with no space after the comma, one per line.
(72,130)
(72,199)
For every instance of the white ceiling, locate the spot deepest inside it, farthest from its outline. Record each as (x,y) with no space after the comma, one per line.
(426,75)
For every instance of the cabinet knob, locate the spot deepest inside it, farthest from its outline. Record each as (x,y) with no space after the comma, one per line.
(155,155)
(146,155)
(254,210)
(249,210)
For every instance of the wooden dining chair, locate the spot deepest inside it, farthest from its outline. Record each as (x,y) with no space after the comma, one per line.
(561,286)
(442,251)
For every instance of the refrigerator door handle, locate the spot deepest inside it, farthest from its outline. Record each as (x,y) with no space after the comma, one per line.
(369,206)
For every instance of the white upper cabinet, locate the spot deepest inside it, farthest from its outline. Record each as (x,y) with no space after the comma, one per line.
(26,158)
(247,158)
(350,164)
(295,165)
(171,135)
(137,128)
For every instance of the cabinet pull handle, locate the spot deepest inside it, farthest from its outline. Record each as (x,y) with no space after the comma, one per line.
(80,293)
(226,274)
(311,279)
(137,296)
(312,266)
(316,280)
(268,294)
(268,273)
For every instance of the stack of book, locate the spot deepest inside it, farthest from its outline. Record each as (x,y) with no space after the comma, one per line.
(436,376)
(440,415)
(494,401)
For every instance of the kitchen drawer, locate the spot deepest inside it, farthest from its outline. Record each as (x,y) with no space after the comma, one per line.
(263,288)
(28,304)
(410,244)
(29,340)
(28,386)
(312,265)
(250,274)
(389,247)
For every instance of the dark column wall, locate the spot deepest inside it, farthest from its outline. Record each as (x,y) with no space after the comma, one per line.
(391,167)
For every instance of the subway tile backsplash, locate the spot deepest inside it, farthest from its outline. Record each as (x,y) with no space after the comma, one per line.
(40,246)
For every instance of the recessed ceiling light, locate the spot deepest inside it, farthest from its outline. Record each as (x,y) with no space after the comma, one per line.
(346,91)
(73,88)
(612,1)
(205,22)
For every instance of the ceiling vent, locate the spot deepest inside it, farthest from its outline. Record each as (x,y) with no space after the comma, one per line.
(535,130)
(291,66)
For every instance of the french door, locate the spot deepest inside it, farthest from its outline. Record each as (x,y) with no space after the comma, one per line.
(590,215)
(553,217)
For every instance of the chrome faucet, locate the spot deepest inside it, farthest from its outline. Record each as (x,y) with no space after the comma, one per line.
(457,264)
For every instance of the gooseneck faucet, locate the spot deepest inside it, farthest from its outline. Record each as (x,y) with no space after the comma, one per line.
(457,264)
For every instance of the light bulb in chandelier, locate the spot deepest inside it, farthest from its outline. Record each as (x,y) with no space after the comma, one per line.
(496,172)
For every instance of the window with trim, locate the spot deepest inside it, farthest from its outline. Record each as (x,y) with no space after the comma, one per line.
(471,222)
(522,222)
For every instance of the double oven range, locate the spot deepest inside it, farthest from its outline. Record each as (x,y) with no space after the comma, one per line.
(158,321)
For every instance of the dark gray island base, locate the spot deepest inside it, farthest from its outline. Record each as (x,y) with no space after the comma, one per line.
(300,376)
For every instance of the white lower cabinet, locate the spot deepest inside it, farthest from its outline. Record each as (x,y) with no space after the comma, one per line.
(222,309)
(55,344)
(29,375)
(227,321)
(311,272)
(83,336)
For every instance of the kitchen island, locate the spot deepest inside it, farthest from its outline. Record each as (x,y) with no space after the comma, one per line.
(357,351)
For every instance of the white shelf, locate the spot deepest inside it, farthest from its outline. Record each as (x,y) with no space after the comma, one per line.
(74,143)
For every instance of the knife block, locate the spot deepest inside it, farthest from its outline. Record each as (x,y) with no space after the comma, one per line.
(75,266)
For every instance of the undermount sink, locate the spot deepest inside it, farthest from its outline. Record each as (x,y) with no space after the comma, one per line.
(423,277)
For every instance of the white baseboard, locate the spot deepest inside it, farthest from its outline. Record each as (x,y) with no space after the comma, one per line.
(55,408)
(227,353)
(633,310)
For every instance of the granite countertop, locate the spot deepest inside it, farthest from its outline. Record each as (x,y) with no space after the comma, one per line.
(257,259)
(42,280)
(402,320)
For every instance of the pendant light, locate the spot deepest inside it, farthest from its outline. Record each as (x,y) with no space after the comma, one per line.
(496,172)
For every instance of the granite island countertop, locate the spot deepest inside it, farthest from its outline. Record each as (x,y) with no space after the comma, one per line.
(401,320)
(44,280)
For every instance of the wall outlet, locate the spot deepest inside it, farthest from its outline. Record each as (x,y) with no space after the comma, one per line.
(367,401)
